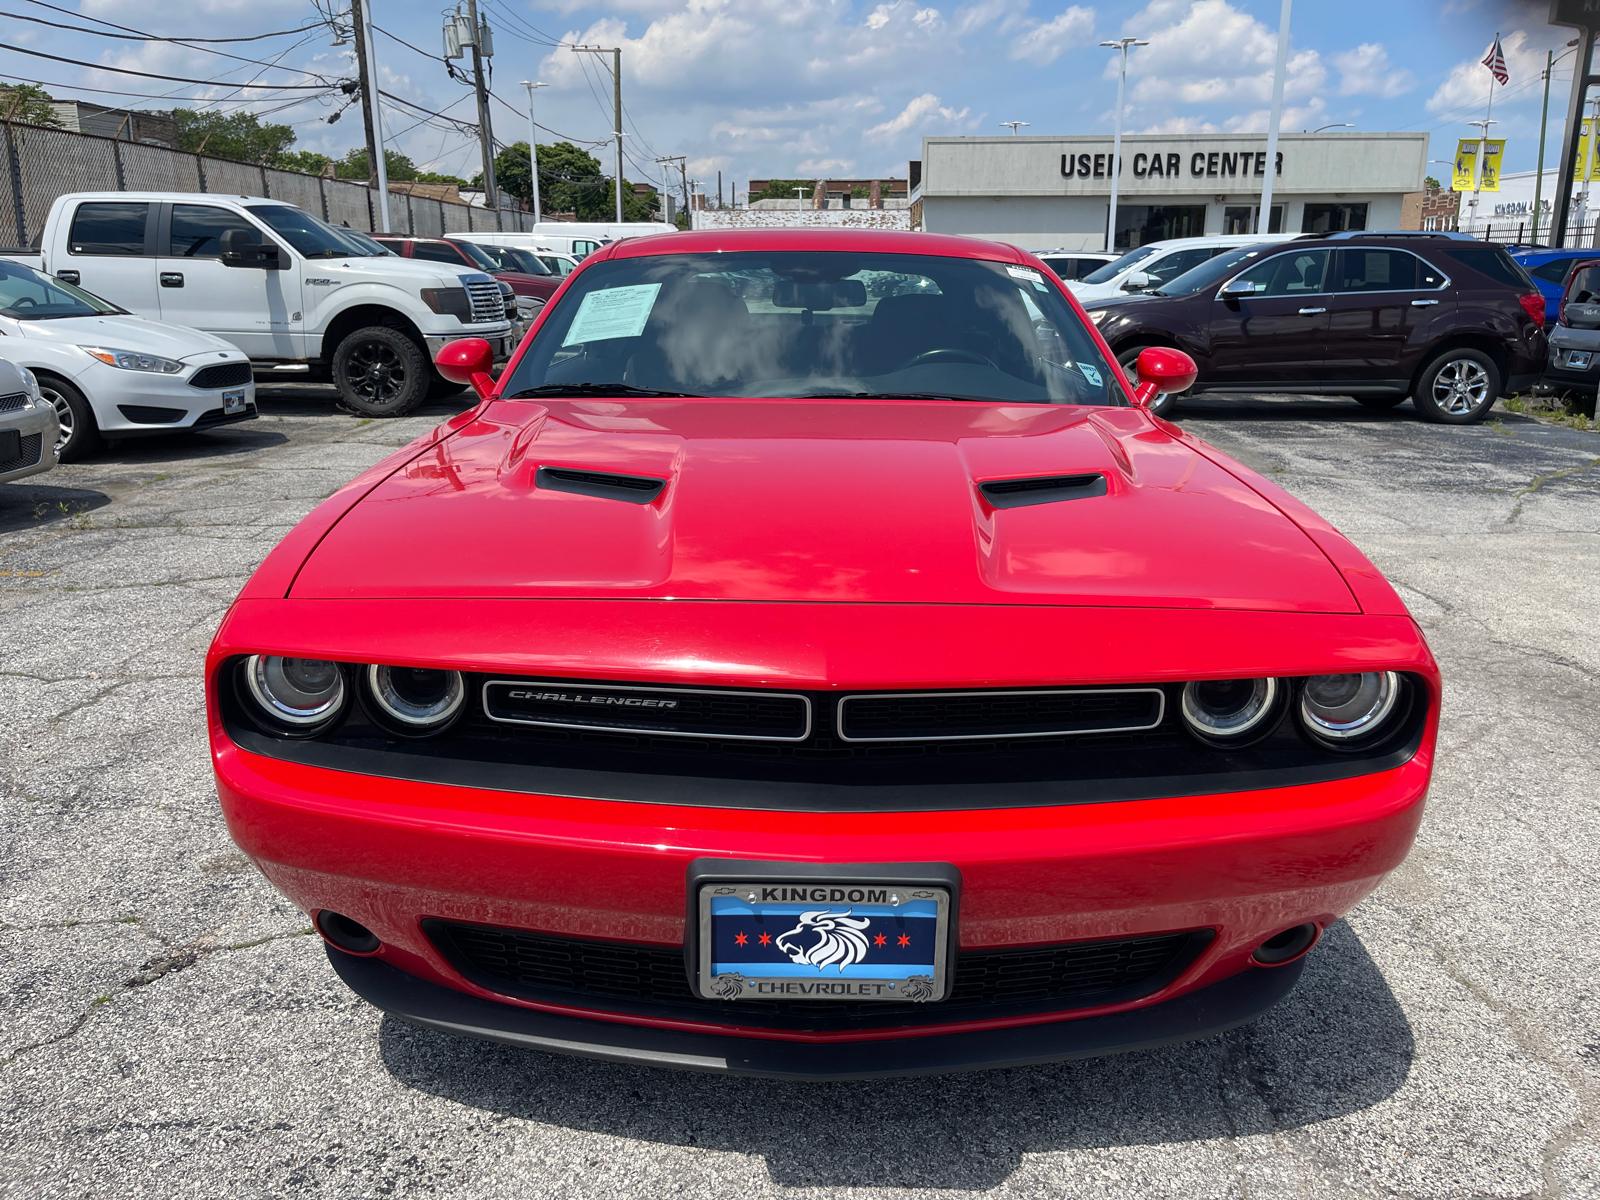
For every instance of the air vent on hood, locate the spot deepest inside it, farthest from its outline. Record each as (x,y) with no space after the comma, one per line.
(1043,489)
(635,489)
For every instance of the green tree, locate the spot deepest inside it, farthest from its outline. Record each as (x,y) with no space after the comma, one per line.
(783,189)
(236,135)
(25,102)
(1428,181)
(435,177)
(354,166)
(308,161)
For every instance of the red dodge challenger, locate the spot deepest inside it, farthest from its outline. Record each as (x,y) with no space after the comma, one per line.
(813,660)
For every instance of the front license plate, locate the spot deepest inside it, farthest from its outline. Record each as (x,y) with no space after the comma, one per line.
(1578,358)
(823,939)
(232,402)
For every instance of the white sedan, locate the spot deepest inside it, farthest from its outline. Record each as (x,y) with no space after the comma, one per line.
(112,375)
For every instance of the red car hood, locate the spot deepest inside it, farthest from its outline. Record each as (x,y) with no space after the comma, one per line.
(775,500)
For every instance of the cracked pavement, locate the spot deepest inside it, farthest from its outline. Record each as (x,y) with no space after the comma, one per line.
(168,1028)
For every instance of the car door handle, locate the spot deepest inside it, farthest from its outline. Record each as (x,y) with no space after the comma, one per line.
(67,276)
(1307,312)
(171,278)
(1422,303)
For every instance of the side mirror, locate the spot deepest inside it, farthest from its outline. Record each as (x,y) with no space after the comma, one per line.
(240,249)
(1163,371)
(1136,281)
(468,361)
(1235,288)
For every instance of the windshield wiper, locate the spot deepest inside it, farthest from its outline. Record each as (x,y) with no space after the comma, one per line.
(917,396)
(597,389)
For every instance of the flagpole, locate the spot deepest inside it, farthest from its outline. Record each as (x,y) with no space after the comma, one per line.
(1483,141)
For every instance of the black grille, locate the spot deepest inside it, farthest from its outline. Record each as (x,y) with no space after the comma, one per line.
(148,414)
(222,375)
(932,716)
(763,716)
(989,984)
(32,448)
(13,402)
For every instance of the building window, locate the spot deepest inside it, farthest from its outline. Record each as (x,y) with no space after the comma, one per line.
(1139,224)
(1241,218)
(1333,218)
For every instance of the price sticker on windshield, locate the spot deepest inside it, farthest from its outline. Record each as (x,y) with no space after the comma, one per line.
(1029,274)
(619,312)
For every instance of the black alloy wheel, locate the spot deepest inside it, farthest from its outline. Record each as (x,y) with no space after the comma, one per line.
(80,433)
(380,372)
(1459,387)
(1165,405)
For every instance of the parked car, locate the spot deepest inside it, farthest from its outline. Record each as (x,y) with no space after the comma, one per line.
(294,294)
(902,696)
(1574,363)
(1449,321)
(30,440)
(1154,264)
(559,264)
(1074,264)
(514,258)
(1549,269)
(572,240)
(112,375)
(530,288)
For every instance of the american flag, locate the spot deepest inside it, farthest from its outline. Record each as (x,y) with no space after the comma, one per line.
(1495,60)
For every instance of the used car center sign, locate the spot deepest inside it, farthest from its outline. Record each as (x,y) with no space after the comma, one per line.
(1209,164)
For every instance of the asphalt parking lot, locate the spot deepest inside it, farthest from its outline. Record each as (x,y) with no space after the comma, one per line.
(168,1027)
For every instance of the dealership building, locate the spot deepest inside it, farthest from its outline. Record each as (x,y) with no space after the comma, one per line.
(1046,192)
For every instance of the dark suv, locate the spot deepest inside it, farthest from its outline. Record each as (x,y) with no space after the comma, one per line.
(1443,318)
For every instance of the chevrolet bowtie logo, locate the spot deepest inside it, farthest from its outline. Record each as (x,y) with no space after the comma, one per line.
(594,698)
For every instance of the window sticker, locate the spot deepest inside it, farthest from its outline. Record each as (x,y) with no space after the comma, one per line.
(619,312)
(1030,275)
(1092,375)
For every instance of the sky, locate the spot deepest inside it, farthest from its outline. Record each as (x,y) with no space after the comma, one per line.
(806,88)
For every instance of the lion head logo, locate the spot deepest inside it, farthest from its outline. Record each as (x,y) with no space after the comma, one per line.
(841,939)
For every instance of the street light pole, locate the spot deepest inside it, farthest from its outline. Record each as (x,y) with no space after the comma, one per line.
(1012,125)
(533,147)
(1279,70)
(1121,45)
(1477,177)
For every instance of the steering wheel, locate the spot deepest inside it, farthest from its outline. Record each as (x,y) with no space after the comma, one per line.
(948,354)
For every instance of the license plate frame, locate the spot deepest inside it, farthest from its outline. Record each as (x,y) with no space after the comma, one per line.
(915,901)
(1579,359)
(234,403)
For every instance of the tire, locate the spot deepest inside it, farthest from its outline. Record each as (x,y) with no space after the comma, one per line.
(1128,360)
(81,432)
(380,372)
(1379,401)
(1459,387)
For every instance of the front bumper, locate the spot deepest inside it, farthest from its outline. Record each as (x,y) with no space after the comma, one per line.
(503,337)
(39,433)
(132,404)
(1222,1006)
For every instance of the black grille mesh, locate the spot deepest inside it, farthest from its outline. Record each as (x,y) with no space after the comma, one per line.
(32,448)
(13,402)
(221,375)
(996,714)
(989,984)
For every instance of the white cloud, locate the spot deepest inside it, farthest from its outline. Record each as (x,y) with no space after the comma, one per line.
(1468,83)
(918,112)
(1206,52)
(1366,71)
(1005,15)
(1043,44)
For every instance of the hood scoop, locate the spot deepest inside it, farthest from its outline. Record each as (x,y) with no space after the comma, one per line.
(1042,489)
(635,489)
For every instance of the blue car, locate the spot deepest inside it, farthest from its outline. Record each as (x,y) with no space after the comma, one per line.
(1549,269)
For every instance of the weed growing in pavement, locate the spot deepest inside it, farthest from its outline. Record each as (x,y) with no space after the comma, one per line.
(1566,409)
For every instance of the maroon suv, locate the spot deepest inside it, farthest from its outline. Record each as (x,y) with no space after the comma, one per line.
(1443,318)
(532,290)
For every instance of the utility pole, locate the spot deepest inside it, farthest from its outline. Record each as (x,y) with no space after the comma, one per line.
(358,33)
(1544,118)
(370,100)
(533,146)
(683,174)
(616,81)
(1121,45)
(1280,69)
(480,51)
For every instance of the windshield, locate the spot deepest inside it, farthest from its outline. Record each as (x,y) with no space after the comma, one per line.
(803,324)
(479,258)
(29,295)
(1112,269)
(367,243)
(1210,271)
(509,258)
(311,237)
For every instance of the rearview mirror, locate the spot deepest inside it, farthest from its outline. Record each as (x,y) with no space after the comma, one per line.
(819,297)
(1136,281)
(468,361)
(1162,371)
(241,249)
(1235,288)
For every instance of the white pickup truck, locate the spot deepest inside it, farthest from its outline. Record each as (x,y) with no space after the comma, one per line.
(301,298)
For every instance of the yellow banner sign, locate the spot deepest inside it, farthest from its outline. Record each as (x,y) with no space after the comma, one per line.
(1490,181)
(1466,162)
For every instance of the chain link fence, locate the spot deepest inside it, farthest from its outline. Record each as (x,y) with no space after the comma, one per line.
(42,164)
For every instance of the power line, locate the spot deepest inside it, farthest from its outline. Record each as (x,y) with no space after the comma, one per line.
(255,37)
(540,36)
(279,87)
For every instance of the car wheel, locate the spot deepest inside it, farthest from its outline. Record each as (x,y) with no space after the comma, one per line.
(80,432)
(1458,388)
(1128,360)
(380,372)
(1379,401)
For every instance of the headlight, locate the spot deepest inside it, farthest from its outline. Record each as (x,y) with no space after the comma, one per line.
(1230,712)
(132,360)
(449,302)
(1343,709)
(31,382)
(418,699)
(528,307)
(298,692)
